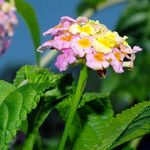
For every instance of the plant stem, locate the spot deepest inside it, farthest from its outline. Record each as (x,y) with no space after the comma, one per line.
(29,142)
(77,97)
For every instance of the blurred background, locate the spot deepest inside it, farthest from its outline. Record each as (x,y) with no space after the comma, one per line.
(128,17)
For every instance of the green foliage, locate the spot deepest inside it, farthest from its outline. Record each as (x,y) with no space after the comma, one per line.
(59,87)
(103,133)
(29,16)
(15,104)
(99,101)
(37,91)
(16,101)
(35,74)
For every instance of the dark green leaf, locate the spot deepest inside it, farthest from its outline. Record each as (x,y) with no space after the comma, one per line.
(103,133)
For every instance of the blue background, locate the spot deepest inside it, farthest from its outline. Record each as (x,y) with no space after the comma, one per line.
(48,12)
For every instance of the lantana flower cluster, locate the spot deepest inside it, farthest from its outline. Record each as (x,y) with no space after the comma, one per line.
(90,42)
(8,20)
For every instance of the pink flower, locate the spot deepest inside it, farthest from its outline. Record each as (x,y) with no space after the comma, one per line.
(63,60)
(137,49)
(61,27)
(129,50)
(116,60)
(59,42)
(67,19)
(96,61)
(82,20)
(63,41)
(47,45)
(81,46)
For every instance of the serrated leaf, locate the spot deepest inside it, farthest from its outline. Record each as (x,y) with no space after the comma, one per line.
(16,101)
(5,89)
(14,106)
(91,133)
(35,74)
(9,112)
(29,16)
(55,87)
(105,133)
(139,126)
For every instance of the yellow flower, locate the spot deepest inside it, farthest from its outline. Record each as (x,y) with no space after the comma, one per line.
(85,43)
(120,39)
(89,28)
(99,47)
(86,29)
(98,27)
(125,43)
(105,42)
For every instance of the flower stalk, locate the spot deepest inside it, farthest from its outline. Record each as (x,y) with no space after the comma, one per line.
(80,87)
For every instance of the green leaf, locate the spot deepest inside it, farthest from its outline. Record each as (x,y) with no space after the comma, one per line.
(101,133)
(35,74)
(5,89)
(138,127)
(18,100)
(55,86)
(102,100)
(9,115)
(15,103)
(28,14)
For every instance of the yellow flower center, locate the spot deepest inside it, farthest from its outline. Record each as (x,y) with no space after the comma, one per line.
(125,43)
(87,29)
(85,43)
(118,56)
(99,57)
(67,38)
(108,40)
